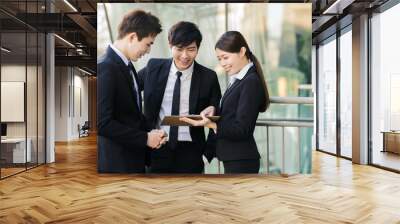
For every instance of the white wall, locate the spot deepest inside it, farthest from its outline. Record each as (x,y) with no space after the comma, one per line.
(346,75)
(385,74)
(327,96)
(17,73)
(81,104)
(314,90)
(33,126)
(14,73)
(71,94)
(50,95)
(61,103)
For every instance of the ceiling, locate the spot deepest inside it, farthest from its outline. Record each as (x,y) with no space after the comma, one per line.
(75,22)
(332,15)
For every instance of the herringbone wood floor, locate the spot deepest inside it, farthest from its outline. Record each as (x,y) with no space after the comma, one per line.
(71,191)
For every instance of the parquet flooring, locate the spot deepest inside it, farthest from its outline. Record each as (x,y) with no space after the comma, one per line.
(71,191)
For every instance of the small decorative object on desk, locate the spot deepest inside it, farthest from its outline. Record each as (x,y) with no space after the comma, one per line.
(391,141)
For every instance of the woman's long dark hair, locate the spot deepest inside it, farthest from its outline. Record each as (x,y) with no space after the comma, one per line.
(232,42)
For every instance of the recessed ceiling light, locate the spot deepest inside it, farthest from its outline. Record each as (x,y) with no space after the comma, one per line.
(5,50)
(86,72)
(64,40)
(70,5)
(337,7)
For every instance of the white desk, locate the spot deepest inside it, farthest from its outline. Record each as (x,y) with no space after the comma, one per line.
(16,146)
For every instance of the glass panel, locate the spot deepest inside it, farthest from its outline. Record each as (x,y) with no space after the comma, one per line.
(346,94)
(327,96)
(41,98)
(22,63)
(386,89)
(31,98)
(282,44)
(41,88)
(14,153)
(32,87)
(103,32)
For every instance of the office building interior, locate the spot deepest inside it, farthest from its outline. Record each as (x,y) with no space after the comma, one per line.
(32,94)
(329,143)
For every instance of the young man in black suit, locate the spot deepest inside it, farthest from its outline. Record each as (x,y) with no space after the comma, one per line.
(123,134)
(179,86)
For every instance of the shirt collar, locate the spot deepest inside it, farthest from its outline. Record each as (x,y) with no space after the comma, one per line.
(240,75)
(185,73)
(120,54)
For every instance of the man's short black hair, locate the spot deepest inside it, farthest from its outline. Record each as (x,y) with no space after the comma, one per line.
(183,34)
(143,23)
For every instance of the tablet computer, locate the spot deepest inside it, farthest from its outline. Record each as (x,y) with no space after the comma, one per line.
(174,120)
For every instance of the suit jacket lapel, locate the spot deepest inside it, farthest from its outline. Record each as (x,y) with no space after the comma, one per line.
(228,91)
(124,70)
(129,80)
(194,88)
(235,84)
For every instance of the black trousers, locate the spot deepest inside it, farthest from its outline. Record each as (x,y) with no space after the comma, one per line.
(242,166)
(186,157)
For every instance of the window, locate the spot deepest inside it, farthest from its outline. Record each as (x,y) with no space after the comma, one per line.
(327,96)
(22,68)
(346,93)
(385,84)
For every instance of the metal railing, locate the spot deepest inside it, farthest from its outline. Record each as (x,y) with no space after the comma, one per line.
(267,123)
(284,123)
(292,100)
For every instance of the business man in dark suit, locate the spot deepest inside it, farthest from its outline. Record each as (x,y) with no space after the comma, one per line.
(123,134)
(179,86)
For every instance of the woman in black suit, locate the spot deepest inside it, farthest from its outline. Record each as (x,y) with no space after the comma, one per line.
(245,97)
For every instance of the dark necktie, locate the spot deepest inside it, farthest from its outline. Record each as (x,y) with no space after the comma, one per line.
(135,91)
(176,98)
